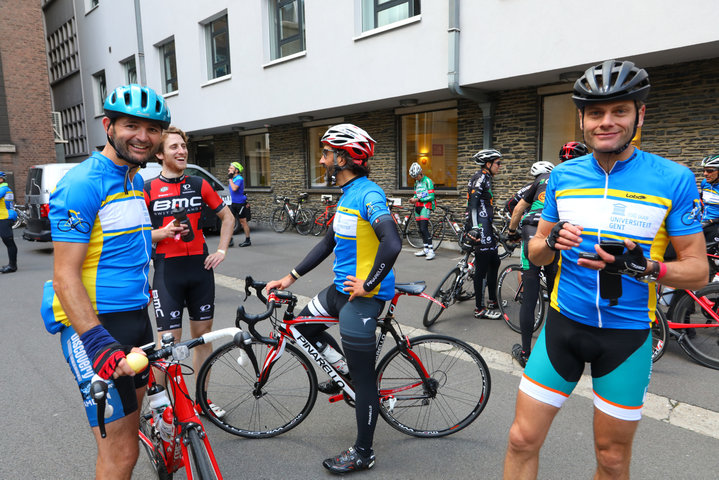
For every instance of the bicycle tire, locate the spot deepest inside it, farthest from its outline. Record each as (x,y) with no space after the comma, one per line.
(200,462)
(509,297)
(284,402)
(445,294)
(156,459)
(280,220)
(701,344)
(414,237)
(659,335)
(319,225)
(438,233)
(457,372)
(305,219)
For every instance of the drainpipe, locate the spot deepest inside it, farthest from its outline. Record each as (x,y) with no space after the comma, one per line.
(140,44)
(485,102)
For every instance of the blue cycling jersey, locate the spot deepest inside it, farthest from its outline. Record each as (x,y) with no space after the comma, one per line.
(362,202)
(710,199)
(646,199)
(92,205)
(7,210)
(238,196)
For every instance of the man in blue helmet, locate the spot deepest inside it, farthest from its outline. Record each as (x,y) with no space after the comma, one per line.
(8,215)
(102,235)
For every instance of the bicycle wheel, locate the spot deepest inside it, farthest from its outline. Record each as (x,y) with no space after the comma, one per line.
(700,343)
(305,220)
(283,402)
(445,294)
(456,393)
(659,336)
(280,219)
(319,225)
(509,297)
(200,462)
(438,233)
(153,452)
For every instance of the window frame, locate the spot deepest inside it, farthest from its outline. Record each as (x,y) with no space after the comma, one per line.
(99,87)
(210,39)
(414,8)
(276,40)
(168,81)
(248,161)
(126,64)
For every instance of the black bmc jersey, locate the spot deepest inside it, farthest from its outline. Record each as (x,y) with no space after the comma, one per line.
(162,195)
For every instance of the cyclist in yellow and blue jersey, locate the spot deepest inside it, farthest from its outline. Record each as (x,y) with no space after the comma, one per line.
(604,295)
(710,198)
(102,236)
(8,215)
(366,244)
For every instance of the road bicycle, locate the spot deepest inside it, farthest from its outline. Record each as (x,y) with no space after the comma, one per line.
(186,443)
(323,221)
(287,214)
(429,386)
(22,216)
(456,286)
(407,227)
(694,322)
(510,291)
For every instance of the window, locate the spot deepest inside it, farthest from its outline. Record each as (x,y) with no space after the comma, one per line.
(73,130)
(62,51)
(430,139)
(218,45)
(100,91)
(560,124)
(287,27)
(317,171)
(378,13)
(256,156)
(130,68)
(169,66)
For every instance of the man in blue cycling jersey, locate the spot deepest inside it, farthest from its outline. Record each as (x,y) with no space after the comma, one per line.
(98,298)
(602,307)
(710,198)
(8,215)
(366,244)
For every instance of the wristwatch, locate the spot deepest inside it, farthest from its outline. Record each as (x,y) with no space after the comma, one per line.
(653,273)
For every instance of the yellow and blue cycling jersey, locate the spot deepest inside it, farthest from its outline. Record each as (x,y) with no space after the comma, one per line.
(7,210)
(710,199)
(356,243)
(646,199)
(92,205)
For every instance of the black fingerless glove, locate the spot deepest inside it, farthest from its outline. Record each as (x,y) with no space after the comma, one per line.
(106,359)
(551,240)
(631,262)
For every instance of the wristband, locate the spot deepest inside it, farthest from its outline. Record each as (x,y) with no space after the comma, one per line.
(95,340)
(222,251)
(662,270)
(294,274)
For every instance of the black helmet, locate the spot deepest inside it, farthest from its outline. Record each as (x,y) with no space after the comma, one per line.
(610,81)
(572,150)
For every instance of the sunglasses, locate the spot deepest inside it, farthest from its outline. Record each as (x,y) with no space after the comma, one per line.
(326,151)
(710,170)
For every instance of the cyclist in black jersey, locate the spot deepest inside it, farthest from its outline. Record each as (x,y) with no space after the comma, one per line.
(363,280)
(622,205)
(478,225)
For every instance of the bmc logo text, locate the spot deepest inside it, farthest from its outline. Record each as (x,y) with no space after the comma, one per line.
(169,204)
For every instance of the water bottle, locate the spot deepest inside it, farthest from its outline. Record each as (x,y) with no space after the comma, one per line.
(180,214)
(159,401)
(165,425)
(334,357)
(456,227)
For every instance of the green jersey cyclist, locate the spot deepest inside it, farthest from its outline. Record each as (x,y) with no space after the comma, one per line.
(423,200)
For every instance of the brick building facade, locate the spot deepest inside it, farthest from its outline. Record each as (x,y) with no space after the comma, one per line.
(28,138)
(682,124)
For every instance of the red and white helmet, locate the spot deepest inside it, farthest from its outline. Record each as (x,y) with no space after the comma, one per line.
(352,139)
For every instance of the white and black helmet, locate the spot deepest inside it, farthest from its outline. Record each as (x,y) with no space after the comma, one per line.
(712,161)
(485,156)
(539,168)
(414,170)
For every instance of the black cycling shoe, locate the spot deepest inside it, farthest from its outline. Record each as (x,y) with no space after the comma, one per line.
(246,243)
(329,387)
(519,355)
(349,461)
(8,269)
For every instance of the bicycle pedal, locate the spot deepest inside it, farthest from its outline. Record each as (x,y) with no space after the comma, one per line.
(336,398)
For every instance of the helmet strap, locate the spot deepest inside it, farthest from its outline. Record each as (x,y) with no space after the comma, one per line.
(118,153)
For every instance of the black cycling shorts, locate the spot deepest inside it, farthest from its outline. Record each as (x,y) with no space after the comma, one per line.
(239,210)
(128,328)
(182,282)
(6,228)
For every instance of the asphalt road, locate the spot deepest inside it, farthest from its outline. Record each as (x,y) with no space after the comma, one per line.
(45,434)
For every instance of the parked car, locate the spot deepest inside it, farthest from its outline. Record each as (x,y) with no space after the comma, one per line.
(41,180)
(209,222)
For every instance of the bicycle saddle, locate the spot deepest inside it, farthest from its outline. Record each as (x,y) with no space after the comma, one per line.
(414,288)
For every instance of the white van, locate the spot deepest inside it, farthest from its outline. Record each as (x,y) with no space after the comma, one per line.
(41,180)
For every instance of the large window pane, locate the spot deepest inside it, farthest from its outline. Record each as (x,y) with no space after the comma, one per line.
(169,67)
(219,39)
(378,13)
(430,139)
(256,149)
(287,25)
(205,154)
(560,124)
(317,171)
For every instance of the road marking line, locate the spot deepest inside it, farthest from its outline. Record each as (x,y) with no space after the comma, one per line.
(689,417)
